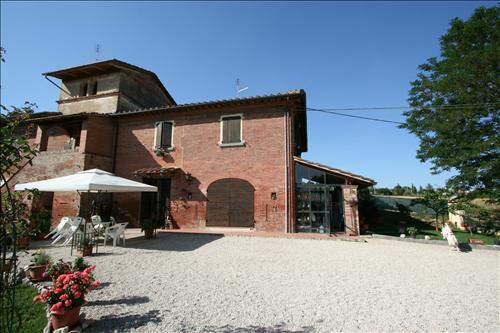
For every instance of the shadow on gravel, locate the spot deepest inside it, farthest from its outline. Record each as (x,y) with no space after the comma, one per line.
(105,284)
(171,242)
(464,247)
(126,300)
(280,328)
(126,322)
(103,254)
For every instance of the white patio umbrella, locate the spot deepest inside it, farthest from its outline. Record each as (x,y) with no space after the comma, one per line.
(93,180)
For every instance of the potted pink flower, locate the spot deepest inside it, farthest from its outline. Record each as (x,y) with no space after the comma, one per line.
(66,296)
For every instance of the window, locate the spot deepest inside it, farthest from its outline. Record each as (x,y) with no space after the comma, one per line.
(83,89)
(164,134)
(231,130)
(93,88)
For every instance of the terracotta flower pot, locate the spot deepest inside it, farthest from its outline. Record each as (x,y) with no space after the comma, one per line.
(69,318)
(23,242)
(36,272)
(148,233)
(476,241)
(85,250)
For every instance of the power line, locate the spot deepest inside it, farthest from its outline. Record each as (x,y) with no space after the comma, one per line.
(353,116)
(334,110)
(456,106)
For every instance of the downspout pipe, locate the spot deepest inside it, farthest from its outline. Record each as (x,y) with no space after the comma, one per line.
(287,167)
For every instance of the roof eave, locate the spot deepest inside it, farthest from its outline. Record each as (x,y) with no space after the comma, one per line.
(119,65)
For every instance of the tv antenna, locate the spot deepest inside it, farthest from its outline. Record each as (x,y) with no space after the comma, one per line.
(238,88)
(97,51)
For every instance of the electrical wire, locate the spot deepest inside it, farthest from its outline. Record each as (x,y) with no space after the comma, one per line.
(334,110)
(456,106)
(353,116)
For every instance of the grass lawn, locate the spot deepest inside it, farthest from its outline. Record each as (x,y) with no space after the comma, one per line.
(32,316)
(391,222)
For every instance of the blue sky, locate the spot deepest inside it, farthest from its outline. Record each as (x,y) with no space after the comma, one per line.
(343,54)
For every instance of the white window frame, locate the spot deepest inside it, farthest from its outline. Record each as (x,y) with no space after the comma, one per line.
(172,146)
(233,144)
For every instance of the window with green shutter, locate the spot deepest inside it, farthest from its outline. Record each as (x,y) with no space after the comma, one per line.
(164,137)
(231,129)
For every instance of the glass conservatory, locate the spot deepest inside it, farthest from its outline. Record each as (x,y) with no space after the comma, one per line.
(319,201)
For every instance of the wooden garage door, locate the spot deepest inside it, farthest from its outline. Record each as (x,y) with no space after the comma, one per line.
(230,203)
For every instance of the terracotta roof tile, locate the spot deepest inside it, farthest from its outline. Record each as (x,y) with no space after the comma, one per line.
(155,171)
(244,100)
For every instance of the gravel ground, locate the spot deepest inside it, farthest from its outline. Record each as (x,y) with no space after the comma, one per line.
(202,283)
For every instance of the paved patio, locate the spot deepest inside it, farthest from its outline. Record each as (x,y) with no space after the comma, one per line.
(211,283)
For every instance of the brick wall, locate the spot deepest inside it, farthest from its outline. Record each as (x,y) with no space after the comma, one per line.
(99,136)
(351,216)
(56,138)
(52,164)
(261,162)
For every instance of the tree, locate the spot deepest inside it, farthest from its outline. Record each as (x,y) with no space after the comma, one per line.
(383,191)
(454,104)
(15,153)
(436,200)
(413,189)
(398,190)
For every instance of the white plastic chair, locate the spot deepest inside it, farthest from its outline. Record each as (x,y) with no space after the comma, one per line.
(116,233)
(73,229)
(57,230)
(63,234)
(96,219)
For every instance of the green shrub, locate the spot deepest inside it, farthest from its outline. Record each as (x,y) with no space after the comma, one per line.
(412,231)
(40,257)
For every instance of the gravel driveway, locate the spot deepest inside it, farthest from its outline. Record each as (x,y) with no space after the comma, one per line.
(202,283)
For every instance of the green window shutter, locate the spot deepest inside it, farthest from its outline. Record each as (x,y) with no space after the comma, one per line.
(166,135)
(231,129)
(157,143)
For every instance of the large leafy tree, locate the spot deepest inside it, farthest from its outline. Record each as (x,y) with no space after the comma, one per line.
(436,200)
(454,104)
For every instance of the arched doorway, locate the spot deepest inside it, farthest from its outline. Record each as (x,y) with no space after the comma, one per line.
(230,203)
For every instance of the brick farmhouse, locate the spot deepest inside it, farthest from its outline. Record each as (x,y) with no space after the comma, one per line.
(228,163)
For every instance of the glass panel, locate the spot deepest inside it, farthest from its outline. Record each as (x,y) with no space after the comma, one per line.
(318,223)
(319,208)
(301,174)
(317,199)
(316,176)
(303,200)
(306,175)
(303,222)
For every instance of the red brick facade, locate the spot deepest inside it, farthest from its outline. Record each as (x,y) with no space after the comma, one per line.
(196,136)
(273,131)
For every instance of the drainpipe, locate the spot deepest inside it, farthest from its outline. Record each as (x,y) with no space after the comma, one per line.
(113,146)
(287,214)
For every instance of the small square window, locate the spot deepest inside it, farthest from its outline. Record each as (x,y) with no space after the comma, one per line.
(274,196)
